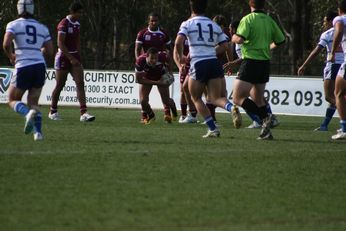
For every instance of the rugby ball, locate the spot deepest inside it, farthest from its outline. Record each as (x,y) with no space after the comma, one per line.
(167,78)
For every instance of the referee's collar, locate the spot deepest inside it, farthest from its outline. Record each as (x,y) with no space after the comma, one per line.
(259,11)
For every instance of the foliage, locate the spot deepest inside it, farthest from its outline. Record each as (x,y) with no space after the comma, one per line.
(109,28)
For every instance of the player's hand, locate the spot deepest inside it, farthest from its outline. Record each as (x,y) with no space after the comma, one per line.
(331,58)
(301,70)
(75,62)
(184,60)
(13,59)
(228,67)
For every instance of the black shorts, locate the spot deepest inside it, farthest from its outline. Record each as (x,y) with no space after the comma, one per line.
(254,71)
(28,77)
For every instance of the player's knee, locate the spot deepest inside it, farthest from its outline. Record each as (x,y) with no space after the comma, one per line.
(237,100)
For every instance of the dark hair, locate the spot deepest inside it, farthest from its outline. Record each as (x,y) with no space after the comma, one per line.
(220,20)
(75,7)
(198,6)
(258,4)
(342,6)
(153,14)
(330,15)
(235,24)
(152,51)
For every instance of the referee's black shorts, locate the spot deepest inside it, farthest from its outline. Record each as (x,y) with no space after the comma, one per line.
(254,71)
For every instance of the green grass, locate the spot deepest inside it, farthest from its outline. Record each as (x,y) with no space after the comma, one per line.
(117,174)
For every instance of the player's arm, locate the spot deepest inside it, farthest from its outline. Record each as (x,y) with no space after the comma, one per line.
(308,60)
(64,50)
(138,49)
(338,33)
(7,46)
(48,50)
(178,54)
(222,48)
(229,53)
(237,39)
(141,79)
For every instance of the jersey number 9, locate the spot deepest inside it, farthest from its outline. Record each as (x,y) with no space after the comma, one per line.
(31,32)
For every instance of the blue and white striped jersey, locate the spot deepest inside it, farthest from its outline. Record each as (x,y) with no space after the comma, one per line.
(29,37)
(326,41)
(203,35)
(342,19)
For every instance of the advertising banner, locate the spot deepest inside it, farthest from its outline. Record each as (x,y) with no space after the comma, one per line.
(118,89)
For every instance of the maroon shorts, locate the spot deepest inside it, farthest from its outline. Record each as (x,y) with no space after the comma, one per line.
(63,63)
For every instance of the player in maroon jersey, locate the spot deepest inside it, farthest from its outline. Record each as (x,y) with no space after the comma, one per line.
(154,36)
(150,67)
(68,60)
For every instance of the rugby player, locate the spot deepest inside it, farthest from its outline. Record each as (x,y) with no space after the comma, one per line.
(330,70)
(68,60)
(340,82)
(206,71)
(154,36)
(150,68)
(32,42)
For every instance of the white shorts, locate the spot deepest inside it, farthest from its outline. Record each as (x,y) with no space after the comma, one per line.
(341,72)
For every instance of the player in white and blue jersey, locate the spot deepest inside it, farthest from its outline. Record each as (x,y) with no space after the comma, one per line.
(330,70)
(206,71)
(32,42)
(340,82)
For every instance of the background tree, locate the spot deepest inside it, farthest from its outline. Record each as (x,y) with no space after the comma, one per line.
(109,28)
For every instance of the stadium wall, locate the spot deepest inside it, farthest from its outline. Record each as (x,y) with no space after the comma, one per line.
(118,89)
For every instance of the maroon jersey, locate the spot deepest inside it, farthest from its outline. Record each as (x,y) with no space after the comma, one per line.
(152,72)
(71,30)
(158,39)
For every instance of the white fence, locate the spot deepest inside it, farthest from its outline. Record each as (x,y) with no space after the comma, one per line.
(118,89)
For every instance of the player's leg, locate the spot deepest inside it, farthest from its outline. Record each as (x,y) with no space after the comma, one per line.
(60,78)
(258,96)
(196,89)
(144,91)
(192,116)
(340,94)
(33,97)
(215,88)
(183,102)
(329,88)
(77,73)
(209,104)
(20,82)
(166,100)
(256,121)
(173,108)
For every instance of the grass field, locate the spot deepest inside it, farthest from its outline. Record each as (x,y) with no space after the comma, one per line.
(117,174)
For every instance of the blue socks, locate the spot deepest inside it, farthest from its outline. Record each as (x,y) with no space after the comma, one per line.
(21,108)
(38,122)
(210,123)
(343,125)
(254,117)
(228,106)
(329,115)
